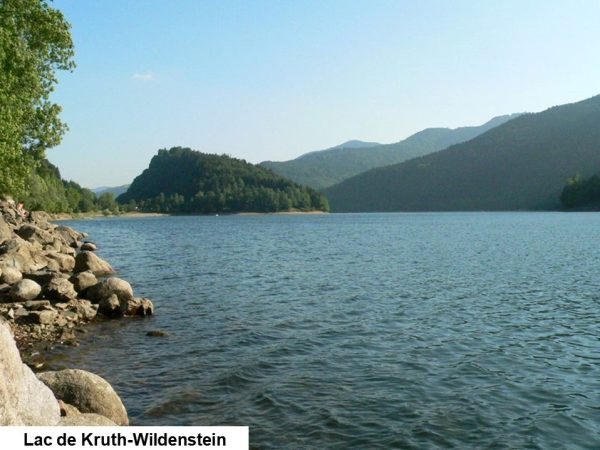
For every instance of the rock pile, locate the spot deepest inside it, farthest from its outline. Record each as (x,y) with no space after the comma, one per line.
(51,281)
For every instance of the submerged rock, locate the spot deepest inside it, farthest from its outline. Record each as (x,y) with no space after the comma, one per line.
(88,392)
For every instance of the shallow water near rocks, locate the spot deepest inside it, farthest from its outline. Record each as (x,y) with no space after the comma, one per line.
(465,330)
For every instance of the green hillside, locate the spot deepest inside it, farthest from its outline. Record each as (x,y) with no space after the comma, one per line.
(181,180)
(520,165)
(325,168)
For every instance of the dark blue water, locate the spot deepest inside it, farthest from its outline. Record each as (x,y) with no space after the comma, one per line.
(476,330)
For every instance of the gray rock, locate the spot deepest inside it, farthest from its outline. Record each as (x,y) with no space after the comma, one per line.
(31,232)
(22,255)
(25,290)
(24,400)
(5,230)
(90,246)
(65,263)
(157,333)
(86,420)
(10,275)
(90,261)
(43,317)
(84,309)
(137,307)
(68,235)
(37,305)
(83,280)
(87,392)
(110,286)
(60,289)
(41,218)
(43,277)
(110,306)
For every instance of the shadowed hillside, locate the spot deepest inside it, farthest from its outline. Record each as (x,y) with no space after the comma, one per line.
(325,168)
(522,164)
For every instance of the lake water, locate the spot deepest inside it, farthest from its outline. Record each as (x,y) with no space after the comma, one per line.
(464,330)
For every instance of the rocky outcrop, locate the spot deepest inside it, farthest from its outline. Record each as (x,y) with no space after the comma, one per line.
(24,400)
(86,391)
(41,261)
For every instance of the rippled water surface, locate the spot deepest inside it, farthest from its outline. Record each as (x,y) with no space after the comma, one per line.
(359,330)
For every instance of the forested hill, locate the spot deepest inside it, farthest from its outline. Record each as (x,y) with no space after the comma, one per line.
(325,168)
(520,165)
(181,180)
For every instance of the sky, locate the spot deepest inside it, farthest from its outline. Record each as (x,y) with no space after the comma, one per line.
(271,80)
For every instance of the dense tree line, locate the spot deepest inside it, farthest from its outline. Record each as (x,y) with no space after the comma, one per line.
(47,191)
(581,192)
(181,180)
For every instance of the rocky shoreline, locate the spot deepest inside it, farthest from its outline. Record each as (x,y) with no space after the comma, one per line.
(52,284)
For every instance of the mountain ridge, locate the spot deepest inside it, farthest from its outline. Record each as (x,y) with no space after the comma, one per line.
(521,164)
(323,168)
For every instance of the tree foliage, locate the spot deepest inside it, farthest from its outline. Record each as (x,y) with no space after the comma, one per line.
(181,180)
(47,191)
(35,42)
(581,192)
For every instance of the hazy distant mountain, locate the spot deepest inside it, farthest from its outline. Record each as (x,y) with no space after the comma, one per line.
(521,164)
(324,168)
(116,191)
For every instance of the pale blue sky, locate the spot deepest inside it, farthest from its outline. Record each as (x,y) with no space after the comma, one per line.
(274,79)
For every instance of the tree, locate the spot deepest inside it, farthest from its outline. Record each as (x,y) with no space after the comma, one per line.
(35,41)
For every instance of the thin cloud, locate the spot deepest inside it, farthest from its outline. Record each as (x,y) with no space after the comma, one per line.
(142,76)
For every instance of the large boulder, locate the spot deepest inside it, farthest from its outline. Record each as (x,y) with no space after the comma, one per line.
(10,275)
(22,255)
(60,289)
(90,261)
(110,306)
(60,261)
(41,218)
(89,246)
(31,232)
(25,290)
(137,307)
(110,286)
(83,280)
(24,400)
(5,230)
(87,392)
(69,235)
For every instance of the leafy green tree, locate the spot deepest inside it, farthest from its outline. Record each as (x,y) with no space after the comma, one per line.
(35,41)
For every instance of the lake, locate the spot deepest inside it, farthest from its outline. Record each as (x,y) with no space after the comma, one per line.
(434,330)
